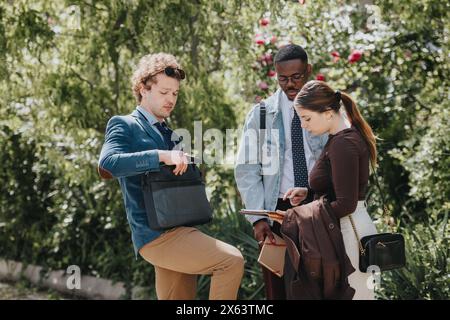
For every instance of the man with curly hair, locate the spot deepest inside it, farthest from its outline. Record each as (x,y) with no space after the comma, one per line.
(138,143)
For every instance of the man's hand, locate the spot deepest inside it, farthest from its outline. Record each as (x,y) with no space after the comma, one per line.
(174,157)
(296,195)
(262,230)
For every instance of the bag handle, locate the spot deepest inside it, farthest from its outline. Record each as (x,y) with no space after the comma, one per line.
(386,211)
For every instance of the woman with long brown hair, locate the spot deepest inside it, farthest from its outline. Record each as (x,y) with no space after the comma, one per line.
(342,171)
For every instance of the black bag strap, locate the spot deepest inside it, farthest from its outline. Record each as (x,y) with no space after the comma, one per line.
(377,183)
(262,115)
(262,127)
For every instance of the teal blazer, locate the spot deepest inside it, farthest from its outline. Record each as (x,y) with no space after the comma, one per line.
(130,150)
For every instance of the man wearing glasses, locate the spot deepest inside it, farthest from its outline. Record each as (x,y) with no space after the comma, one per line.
(138,143)
(295,154)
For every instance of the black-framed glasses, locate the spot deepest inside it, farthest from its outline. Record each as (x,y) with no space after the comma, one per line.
(175,73)
(295,78)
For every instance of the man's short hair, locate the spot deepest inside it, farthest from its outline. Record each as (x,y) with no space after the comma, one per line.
(149,66)
(291,52)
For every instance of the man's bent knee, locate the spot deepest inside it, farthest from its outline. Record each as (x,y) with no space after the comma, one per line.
(236,260)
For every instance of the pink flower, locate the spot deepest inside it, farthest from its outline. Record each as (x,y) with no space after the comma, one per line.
(301,1)
(263,85)
(264,22)
(271,73)
(273,39)
(259,39)
(320,77)
(336,56)
(268,58)
(355,56)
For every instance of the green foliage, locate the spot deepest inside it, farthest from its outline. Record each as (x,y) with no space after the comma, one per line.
(426,275)
(426,158)
(64,71)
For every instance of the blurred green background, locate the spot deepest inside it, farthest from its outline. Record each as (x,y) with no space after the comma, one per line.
(65,69)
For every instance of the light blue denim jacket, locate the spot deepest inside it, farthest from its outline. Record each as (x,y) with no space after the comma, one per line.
(259,185)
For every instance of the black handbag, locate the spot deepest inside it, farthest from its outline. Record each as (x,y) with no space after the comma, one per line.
(175,200)
(384,250)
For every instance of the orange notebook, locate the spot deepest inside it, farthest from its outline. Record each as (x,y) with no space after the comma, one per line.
(272,255)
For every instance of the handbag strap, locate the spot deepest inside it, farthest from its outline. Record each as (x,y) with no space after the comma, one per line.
(386,211)
(361,249)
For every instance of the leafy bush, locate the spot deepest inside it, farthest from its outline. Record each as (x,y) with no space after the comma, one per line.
(426,275)
(59,86)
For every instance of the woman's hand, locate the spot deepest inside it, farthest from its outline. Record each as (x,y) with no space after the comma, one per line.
(296,195)
(174,157)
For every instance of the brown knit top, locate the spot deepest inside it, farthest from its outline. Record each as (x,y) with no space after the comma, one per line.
(348,156)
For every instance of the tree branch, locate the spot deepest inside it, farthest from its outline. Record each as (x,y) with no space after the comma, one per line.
(91,85)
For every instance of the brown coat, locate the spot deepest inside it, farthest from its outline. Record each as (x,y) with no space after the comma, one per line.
(318,267)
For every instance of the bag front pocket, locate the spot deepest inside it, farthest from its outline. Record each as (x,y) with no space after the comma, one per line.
(180,203)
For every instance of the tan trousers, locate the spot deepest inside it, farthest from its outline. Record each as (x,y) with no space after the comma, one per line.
(364,226)
(179,255)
